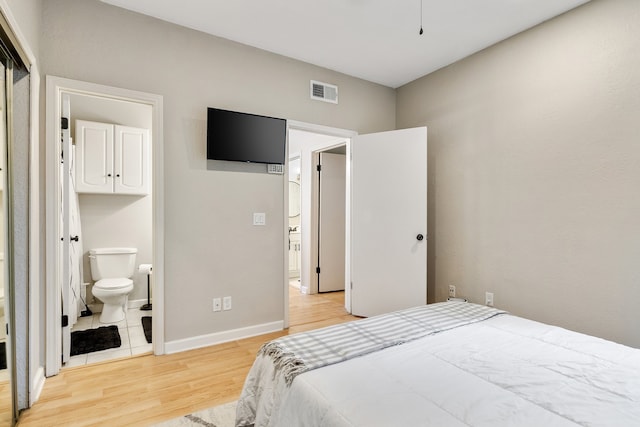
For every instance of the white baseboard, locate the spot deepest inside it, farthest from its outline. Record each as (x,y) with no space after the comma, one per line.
(36,386)
(96,307)
(137,303)
(221,337)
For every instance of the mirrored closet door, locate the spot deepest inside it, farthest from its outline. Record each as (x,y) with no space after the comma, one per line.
(5,377)
(7,355)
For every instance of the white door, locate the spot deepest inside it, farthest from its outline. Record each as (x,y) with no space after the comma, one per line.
(388,221)
(331,222)
(94,151)
(131,160)
(65,240)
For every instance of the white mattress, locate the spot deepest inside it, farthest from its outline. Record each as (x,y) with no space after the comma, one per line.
(502,371)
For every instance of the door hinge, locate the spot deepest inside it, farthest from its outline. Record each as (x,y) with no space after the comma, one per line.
(319,168)
(64,123)
(65,320)
(351,285)
(317,270)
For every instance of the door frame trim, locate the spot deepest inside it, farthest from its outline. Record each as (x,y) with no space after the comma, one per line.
(55,86)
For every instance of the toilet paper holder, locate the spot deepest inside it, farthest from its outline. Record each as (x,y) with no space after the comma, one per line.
(148,270)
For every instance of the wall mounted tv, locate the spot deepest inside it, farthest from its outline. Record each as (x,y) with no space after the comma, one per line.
(243,137)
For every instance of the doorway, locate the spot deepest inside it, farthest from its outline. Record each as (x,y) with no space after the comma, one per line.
(397,277)
(108,219)
(331,184)
(102,215)
(329,205)
(306,143)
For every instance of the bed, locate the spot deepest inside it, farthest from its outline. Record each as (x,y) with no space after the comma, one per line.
(445,364)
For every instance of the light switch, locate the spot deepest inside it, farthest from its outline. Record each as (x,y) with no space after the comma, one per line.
(259,218)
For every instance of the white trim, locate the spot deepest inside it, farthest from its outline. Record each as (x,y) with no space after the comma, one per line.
(96,307)
(37,384)
(52,326)
(325,130)
(55,87)
(222,337)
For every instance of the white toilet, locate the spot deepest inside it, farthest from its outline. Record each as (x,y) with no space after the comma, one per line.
(112,269)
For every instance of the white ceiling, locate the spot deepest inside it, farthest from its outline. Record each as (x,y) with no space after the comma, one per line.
(376,40)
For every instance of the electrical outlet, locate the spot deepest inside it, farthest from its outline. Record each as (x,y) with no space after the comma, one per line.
(217,304)
(226,303)
(452,291)
(488,299)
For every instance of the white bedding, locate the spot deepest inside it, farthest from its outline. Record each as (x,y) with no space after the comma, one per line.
(501,371)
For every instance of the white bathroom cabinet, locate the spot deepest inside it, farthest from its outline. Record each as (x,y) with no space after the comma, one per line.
(111,159)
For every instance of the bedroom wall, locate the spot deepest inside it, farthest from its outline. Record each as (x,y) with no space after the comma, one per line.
(534,166)
(211,248)
(27,14)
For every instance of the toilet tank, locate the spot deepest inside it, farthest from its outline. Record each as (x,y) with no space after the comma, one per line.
(111,263)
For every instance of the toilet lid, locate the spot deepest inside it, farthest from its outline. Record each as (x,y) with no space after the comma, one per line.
(113,283)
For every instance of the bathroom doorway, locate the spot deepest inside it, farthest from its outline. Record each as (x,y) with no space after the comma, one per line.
(112,199)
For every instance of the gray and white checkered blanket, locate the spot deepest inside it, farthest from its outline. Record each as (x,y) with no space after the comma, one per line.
(298,353)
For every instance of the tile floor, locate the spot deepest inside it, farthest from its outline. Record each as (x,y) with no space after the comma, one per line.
(131,335)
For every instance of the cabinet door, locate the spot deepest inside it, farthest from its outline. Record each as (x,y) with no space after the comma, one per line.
(94,157)
(131,167)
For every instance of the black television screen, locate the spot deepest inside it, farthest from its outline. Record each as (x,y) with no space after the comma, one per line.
(243,137)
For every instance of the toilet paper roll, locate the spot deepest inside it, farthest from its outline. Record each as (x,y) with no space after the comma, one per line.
(145,268)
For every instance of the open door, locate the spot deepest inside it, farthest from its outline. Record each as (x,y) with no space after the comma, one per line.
(388,221)
(331,222)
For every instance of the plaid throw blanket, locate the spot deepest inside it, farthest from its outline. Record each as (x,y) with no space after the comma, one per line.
(295,354)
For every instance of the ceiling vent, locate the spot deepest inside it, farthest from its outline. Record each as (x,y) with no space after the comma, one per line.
(324,92)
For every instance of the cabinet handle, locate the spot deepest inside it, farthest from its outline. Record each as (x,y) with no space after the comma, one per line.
(118,175)
(109,175)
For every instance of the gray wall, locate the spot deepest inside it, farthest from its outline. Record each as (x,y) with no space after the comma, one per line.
(28,14)
(211,248)
(534,168)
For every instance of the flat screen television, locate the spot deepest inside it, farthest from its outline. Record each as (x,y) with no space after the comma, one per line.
(243,137)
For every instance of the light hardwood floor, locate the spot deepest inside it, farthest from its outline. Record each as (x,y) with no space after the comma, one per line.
(147,389)
(5,400)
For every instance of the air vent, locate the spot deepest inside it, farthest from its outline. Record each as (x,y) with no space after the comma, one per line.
(324,92)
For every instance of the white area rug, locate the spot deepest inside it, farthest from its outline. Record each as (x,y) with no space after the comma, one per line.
(218,416)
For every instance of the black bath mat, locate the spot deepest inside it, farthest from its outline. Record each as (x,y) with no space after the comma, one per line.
(146,325)
(103,338)
(3,355)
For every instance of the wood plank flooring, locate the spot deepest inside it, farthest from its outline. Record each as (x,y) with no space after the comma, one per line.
(5,401)
(147,389)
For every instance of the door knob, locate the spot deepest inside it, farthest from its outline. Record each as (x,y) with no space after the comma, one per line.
(420,237)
